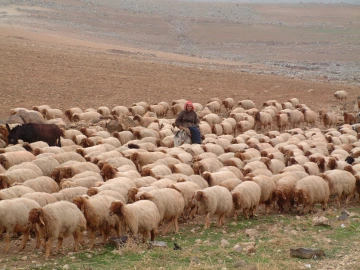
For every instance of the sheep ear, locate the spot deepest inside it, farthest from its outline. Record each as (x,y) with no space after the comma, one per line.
(82,207)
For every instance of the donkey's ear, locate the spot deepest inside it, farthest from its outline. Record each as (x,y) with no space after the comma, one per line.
(8,127)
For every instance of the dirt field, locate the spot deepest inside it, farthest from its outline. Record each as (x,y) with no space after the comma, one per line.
(58,54)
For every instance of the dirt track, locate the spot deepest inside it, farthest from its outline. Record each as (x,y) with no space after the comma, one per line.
(46,60)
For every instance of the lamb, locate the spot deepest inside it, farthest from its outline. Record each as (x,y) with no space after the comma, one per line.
(341,95)
(109,172)
(69,170)
(104,111)
(282,121)
(9,159)
(41,108)
(214,106)
(181,168)
(169,202)
(309,116)
(341,184)
(246,196)
(57,221)
(310,190)
(96,215)
(296,118)
(64,157)
(158,171)
(284,192)
(42,184)
(159,109)
(214,200)
(42,198)
(212,119)
(141,216)
(13,219)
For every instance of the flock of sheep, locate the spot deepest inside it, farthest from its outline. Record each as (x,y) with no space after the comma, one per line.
(133,179)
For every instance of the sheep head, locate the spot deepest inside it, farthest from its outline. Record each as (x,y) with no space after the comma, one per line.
(92,191)
(116,208)
(80,202)
(132,193)
(145,196)
(36,216)
(108,172)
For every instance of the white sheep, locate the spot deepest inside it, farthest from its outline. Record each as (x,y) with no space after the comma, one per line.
(169,202)
(9,159)
(214,200)
(14,218)
(341,95)
(42,198)
(141,217)
(57,221)
(246,196)
(14,192)
(97,217)
(42,184)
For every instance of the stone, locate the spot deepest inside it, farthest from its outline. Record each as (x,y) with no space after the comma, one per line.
(224,243)
(321,221)
(117,242)
(307,253)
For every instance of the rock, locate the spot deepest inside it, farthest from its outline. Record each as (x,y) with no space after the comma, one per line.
(117,252)
(307,253)
(344,215)
(198,241)
(238,248)
(24,258)
(65,267)
(153,244)
(321,221)
(224,243)
(252,233)
(117,242)
(250,249)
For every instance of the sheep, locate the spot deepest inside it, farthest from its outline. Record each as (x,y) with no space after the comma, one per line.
(87,117)
(181,168)
(42,184)
(68,194)
(329,119)
(64,157)
(246,104)
(134,190)
(118,110)
(341,184)
(53,113)
(70,112)
(14,192)
(186,189)
(42,198)
(310,190)
(97,217)
(9,159)
(142,158)
(246,196)
(144,181)
(207,164)
(109,172)
(8,178)
(214,106)
(119,184)
(57,221)
(294,101)
(104,111)
(214,200)
(41,108)
(26,165)
(228,103)
(169,202)
(309,116)
(311,168)
(13,219)
(212,119)
(163,183)
(69,170)
(284,192)
(247,154)
(89,181)
(341,95)
(231,183)
(263,119)
(268,187)
(158,171)
(296,118)
(141,216)
(215,178)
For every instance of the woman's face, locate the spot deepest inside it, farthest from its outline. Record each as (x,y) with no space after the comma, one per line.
(188,108)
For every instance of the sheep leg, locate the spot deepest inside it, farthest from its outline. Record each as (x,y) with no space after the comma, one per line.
(48,246)
(221,220)
(246,214)
(207,221)
(59,244)
(77,238)
(25,238)
(152,233)
(91,239)
(105,236)
(7,242)
(267,208)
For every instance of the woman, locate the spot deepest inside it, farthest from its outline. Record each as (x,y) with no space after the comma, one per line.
(189,119)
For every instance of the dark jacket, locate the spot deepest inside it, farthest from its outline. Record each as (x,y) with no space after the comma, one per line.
(187,119)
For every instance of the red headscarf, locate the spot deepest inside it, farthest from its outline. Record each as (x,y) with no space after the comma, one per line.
(189,103)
